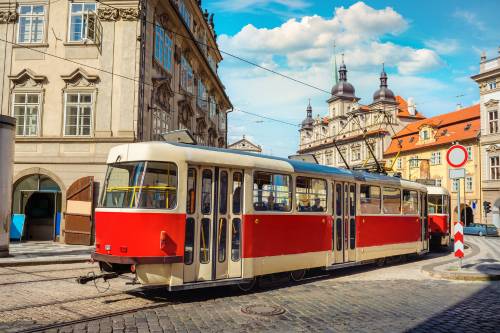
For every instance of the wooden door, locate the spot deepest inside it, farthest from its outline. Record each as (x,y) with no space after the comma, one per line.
(79,212)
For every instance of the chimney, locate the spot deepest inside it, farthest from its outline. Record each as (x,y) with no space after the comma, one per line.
(459,106)
(412,107)
(483,56)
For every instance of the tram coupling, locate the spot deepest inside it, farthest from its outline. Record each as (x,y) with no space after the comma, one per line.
(92,277)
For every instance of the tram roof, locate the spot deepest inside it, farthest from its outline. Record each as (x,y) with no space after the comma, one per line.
(232,157)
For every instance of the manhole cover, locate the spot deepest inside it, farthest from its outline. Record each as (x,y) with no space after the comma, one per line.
(263,310)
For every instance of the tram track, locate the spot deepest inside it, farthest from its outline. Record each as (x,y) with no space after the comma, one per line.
(16,271)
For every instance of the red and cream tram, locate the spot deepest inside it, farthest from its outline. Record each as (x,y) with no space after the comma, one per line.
(189,216)
(439,216)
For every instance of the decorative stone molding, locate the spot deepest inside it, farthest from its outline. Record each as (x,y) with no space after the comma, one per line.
(27,79)
(163,91)
(80,78)
(7,17)
(493,149)
(129,14)
(108,14)
(491,103)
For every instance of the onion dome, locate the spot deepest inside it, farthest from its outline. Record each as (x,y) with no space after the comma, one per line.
(383,93)
(308,122)
(343,88)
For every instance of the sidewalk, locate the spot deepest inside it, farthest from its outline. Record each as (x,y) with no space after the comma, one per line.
(44,253)
(481,262)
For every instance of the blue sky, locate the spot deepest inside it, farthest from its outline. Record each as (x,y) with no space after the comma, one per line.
(430,49)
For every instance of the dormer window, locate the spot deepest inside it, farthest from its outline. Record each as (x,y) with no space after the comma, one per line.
(412,139)
(492,85)
(424,134)
(467,127)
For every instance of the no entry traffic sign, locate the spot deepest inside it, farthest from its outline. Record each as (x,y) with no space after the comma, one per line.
(456,156)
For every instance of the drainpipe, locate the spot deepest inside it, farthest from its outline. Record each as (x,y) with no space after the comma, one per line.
(142,70)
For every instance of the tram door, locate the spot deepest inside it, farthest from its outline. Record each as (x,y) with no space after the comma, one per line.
(212,233)
(199,224)
(424,221)
(344,229)
(227,230)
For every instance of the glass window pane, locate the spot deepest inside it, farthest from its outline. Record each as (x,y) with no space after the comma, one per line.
(410,202)
(159,188)
(89,7)
(271,192)
(392,200)
(191,192)
(206,192)
(20,98)
(223,192)
(338,199)
(205,241)
(235,240)
(85,98)
(369,199)
(76,7)
(352,200)
(352,233)
(221,236)
(33,98)
(237,192)
(310,194)
(38,9)
(338,224)
(121,184)
(189,242)
(72,98)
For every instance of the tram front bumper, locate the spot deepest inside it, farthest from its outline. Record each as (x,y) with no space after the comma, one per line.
(112,259)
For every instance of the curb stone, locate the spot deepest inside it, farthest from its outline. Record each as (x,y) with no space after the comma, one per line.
(460,276)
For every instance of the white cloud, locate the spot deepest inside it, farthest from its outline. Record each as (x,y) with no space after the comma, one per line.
(444,46)
(357,31)
(470,18)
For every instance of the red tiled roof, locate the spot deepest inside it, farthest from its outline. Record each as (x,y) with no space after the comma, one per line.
(403,109)
(459,125)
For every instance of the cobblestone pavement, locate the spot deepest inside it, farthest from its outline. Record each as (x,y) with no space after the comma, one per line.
(391,299)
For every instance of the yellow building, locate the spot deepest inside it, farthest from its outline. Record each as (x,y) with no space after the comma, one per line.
(418,153)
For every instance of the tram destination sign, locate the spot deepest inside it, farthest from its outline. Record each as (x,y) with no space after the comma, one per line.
(457,156)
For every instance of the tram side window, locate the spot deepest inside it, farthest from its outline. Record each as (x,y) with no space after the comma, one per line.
(310,194)
(392,200)
(369,199)
(206,192)
(271,192)
(223,192)
(191,192)
(410,202)
(237,192)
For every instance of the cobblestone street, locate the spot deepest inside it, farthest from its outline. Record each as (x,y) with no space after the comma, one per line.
(395,298)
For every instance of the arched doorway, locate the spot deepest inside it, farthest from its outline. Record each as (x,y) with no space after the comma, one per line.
(467,215)
(38,198)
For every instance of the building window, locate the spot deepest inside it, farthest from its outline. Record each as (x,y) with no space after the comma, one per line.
(493,121)
(212,63)
(356,153)
(495,167)
(31,24)
(469,153)
(163,48)
(212,108)
(328,158)
(492,85)
(454,185)
(78,114)
(160,123)
(187,79)
(82,25)
(436,158)
(26,111)
(424,135)
(414,162)
(438,182)
(468,184)
(222,121)
(201,101)
(185,14)
(399,163)
(342,153)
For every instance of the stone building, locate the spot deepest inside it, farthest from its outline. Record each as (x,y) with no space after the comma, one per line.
(81,77)
(245,145)
(350,130)
(418,153)
(488,80)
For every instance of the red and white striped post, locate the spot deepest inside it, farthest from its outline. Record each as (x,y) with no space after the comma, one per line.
(459,240)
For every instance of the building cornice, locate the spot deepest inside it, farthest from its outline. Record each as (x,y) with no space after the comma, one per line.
(444,145)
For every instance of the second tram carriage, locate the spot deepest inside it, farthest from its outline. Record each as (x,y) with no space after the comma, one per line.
(439,216)
(189,216)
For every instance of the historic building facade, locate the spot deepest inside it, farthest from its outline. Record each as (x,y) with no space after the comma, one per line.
(245,145)
(352,133)
(81,77)
(488,80)
(418,153)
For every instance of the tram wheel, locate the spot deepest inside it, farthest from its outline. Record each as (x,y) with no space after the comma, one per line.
(298,275)
(247,286)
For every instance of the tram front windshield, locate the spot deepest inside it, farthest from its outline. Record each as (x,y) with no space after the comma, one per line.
(150,185)
(438,204)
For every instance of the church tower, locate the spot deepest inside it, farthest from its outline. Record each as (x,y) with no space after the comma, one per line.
(343,95)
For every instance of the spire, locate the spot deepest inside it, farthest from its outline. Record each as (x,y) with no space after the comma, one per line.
(335,73)
(383,77)
(309,109)
(343,70)
(308,122)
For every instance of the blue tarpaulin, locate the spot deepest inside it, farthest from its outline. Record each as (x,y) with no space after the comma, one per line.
(17,226)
